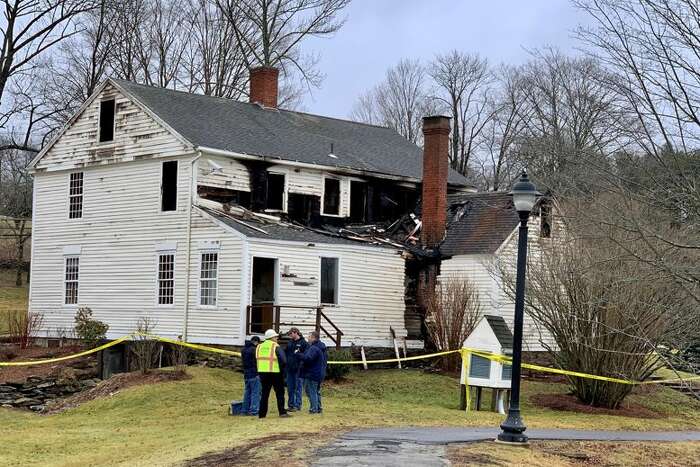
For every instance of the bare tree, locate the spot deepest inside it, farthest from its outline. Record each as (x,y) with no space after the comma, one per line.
(400,101)
(463,82)
(16,203)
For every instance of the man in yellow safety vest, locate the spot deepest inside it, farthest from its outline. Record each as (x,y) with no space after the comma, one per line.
(271,362)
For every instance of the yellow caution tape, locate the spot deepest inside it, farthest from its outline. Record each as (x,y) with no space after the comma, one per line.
(464,354)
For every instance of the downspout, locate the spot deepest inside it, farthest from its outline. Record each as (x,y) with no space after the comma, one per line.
(192,197)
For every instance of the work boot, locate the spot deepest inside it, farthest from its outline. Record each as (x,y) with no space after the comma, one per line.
(285,415)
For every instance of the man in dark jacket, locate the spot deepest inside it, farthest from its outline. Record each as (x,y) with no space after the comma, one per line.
(313,370)
(251,394)
(295,383)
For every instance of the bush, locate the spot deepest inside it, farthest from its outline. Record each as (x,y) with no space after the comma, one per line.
(145,349)
(23,326)
(89,330)
(338,372)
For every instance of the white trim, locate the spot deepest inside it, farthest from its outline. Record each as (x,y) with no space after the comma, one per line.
(211,245)
(177,187)
(338,301)
(244,295)
(285,192)
(166,246)
(71,196)
(31,246)
(200,255)
(65,282)
(72,250)
(323,195)
(157,278)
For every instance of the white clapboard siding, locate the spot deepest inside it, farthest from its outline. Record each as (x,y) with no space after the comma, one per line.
(371,287)
(136,136)
(233,174)
(222,323)
(121,225)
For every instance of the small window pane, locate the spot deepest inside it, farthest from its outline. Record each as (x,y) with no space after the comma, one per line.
(75,196)
(208,280)
(166,279)
(72,273)
(106,120)
(329,280)
(331,196)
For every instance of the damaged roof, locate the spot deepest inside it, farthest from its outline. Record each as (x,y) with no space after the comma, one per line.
(478,223)
(241,127)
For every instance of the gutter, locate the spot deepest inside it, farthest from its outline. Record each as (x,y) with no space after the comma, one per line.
(190,203)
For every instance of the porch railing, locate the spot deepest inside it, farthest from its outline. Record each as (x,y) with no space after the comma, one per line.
(263,316)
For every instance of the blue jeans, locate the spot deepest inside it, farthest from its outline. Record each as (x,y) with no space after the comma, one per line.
(251,396)
(295,385)
(313,391)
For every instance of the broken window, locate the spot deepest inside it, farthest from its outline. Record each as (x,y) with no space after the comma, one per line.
(166,278)
(106,121)
(168,186)
(75,196)
(331,196)
(275,192)
(329,281)
(545,219)
(72,273)
(358,201)
(208,279)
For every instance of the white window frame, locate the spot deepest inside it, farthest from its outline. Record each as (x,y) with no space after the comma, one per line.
(284,192)
(160,253)
(66,258)
(201,279)
(71,196)
(114,123)
(340,197)
(338,281)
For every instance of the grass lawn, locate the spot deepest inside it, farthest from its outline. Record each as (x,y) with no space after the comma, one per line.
(12,298)
(171,422)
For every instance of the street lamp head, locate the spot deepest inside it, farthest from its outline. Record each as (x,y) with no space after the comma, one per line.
(524,194)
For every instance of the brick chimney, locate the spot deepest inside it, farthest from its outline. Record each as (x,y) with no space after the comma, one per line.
(436,140)
(263,86)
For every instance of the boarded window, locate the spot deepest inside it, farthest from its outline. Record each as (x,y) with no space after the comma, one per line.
(166,278)
(331,196)
(106,120)
(168,187)
(72,273)
(358,201)
(275,192)
(75,196)
(329,281)
(208,279)
(479,367)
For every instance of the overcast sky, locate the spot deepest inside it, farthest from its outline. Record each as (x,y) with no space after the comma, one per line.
(378,33)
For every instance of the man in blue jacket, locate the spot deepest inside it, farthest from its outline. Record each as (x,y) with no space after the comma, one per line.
(295,383)
(313,370)
(251,394)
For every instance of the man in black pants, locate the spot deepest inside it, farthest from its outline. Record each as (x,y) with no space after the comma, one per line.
(271,362)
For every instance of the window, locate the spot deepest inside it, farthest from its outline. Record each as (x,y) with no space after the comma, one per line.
(358,201)
(479,367)
(329,281)
(208,279)
(331,196)
(75,196)
(168,186)
(106,121)
(166,278)
(275,192)
(72,273)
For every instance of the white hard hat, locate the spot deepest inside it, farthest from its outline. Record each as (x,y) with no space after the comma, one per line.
(270,333)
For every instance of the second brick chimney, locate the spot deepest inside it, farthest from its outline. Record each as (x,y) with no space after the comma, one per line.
(436,140)
(263,86)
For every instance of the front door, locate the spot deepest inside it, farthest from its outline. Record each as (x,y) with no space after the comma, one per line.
(263,294)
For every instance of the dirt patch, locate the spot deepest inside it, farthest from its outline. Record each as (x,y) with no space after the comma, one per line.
(114,385)
(569,403)
(21,373)
(281,449)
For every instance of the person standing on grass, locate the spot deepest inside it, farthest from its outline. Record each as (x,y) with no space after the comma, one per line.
(313,370)
(251,393)
(295,383)
(271,365)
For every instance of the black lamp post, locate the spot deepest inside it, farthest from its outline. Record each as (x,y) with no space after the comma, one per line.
(524,197)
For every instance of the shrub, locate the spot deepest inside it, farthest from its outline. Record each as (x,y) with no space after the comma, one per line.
(23,326)
(146,350)
(338,372)
(89,330)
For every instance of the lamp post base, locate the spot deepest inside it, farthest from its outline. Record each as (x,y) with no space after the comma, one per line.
(513,428)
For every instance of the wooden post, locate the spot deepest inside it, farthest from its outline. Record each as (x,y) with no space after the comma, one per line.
(478,398)
(396,345)
(463,386)
(318,319)
(364,359)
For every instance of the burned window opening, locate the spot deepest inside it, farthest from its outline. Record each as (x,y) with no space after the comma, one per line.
(331,196)
(304,209)
(106,121)
(358,201)
(168,186)
(329,281)
(224,195)
(275,192)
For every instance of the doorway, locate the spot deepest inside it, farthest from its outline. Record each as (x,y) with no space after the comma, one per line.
(263,294)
